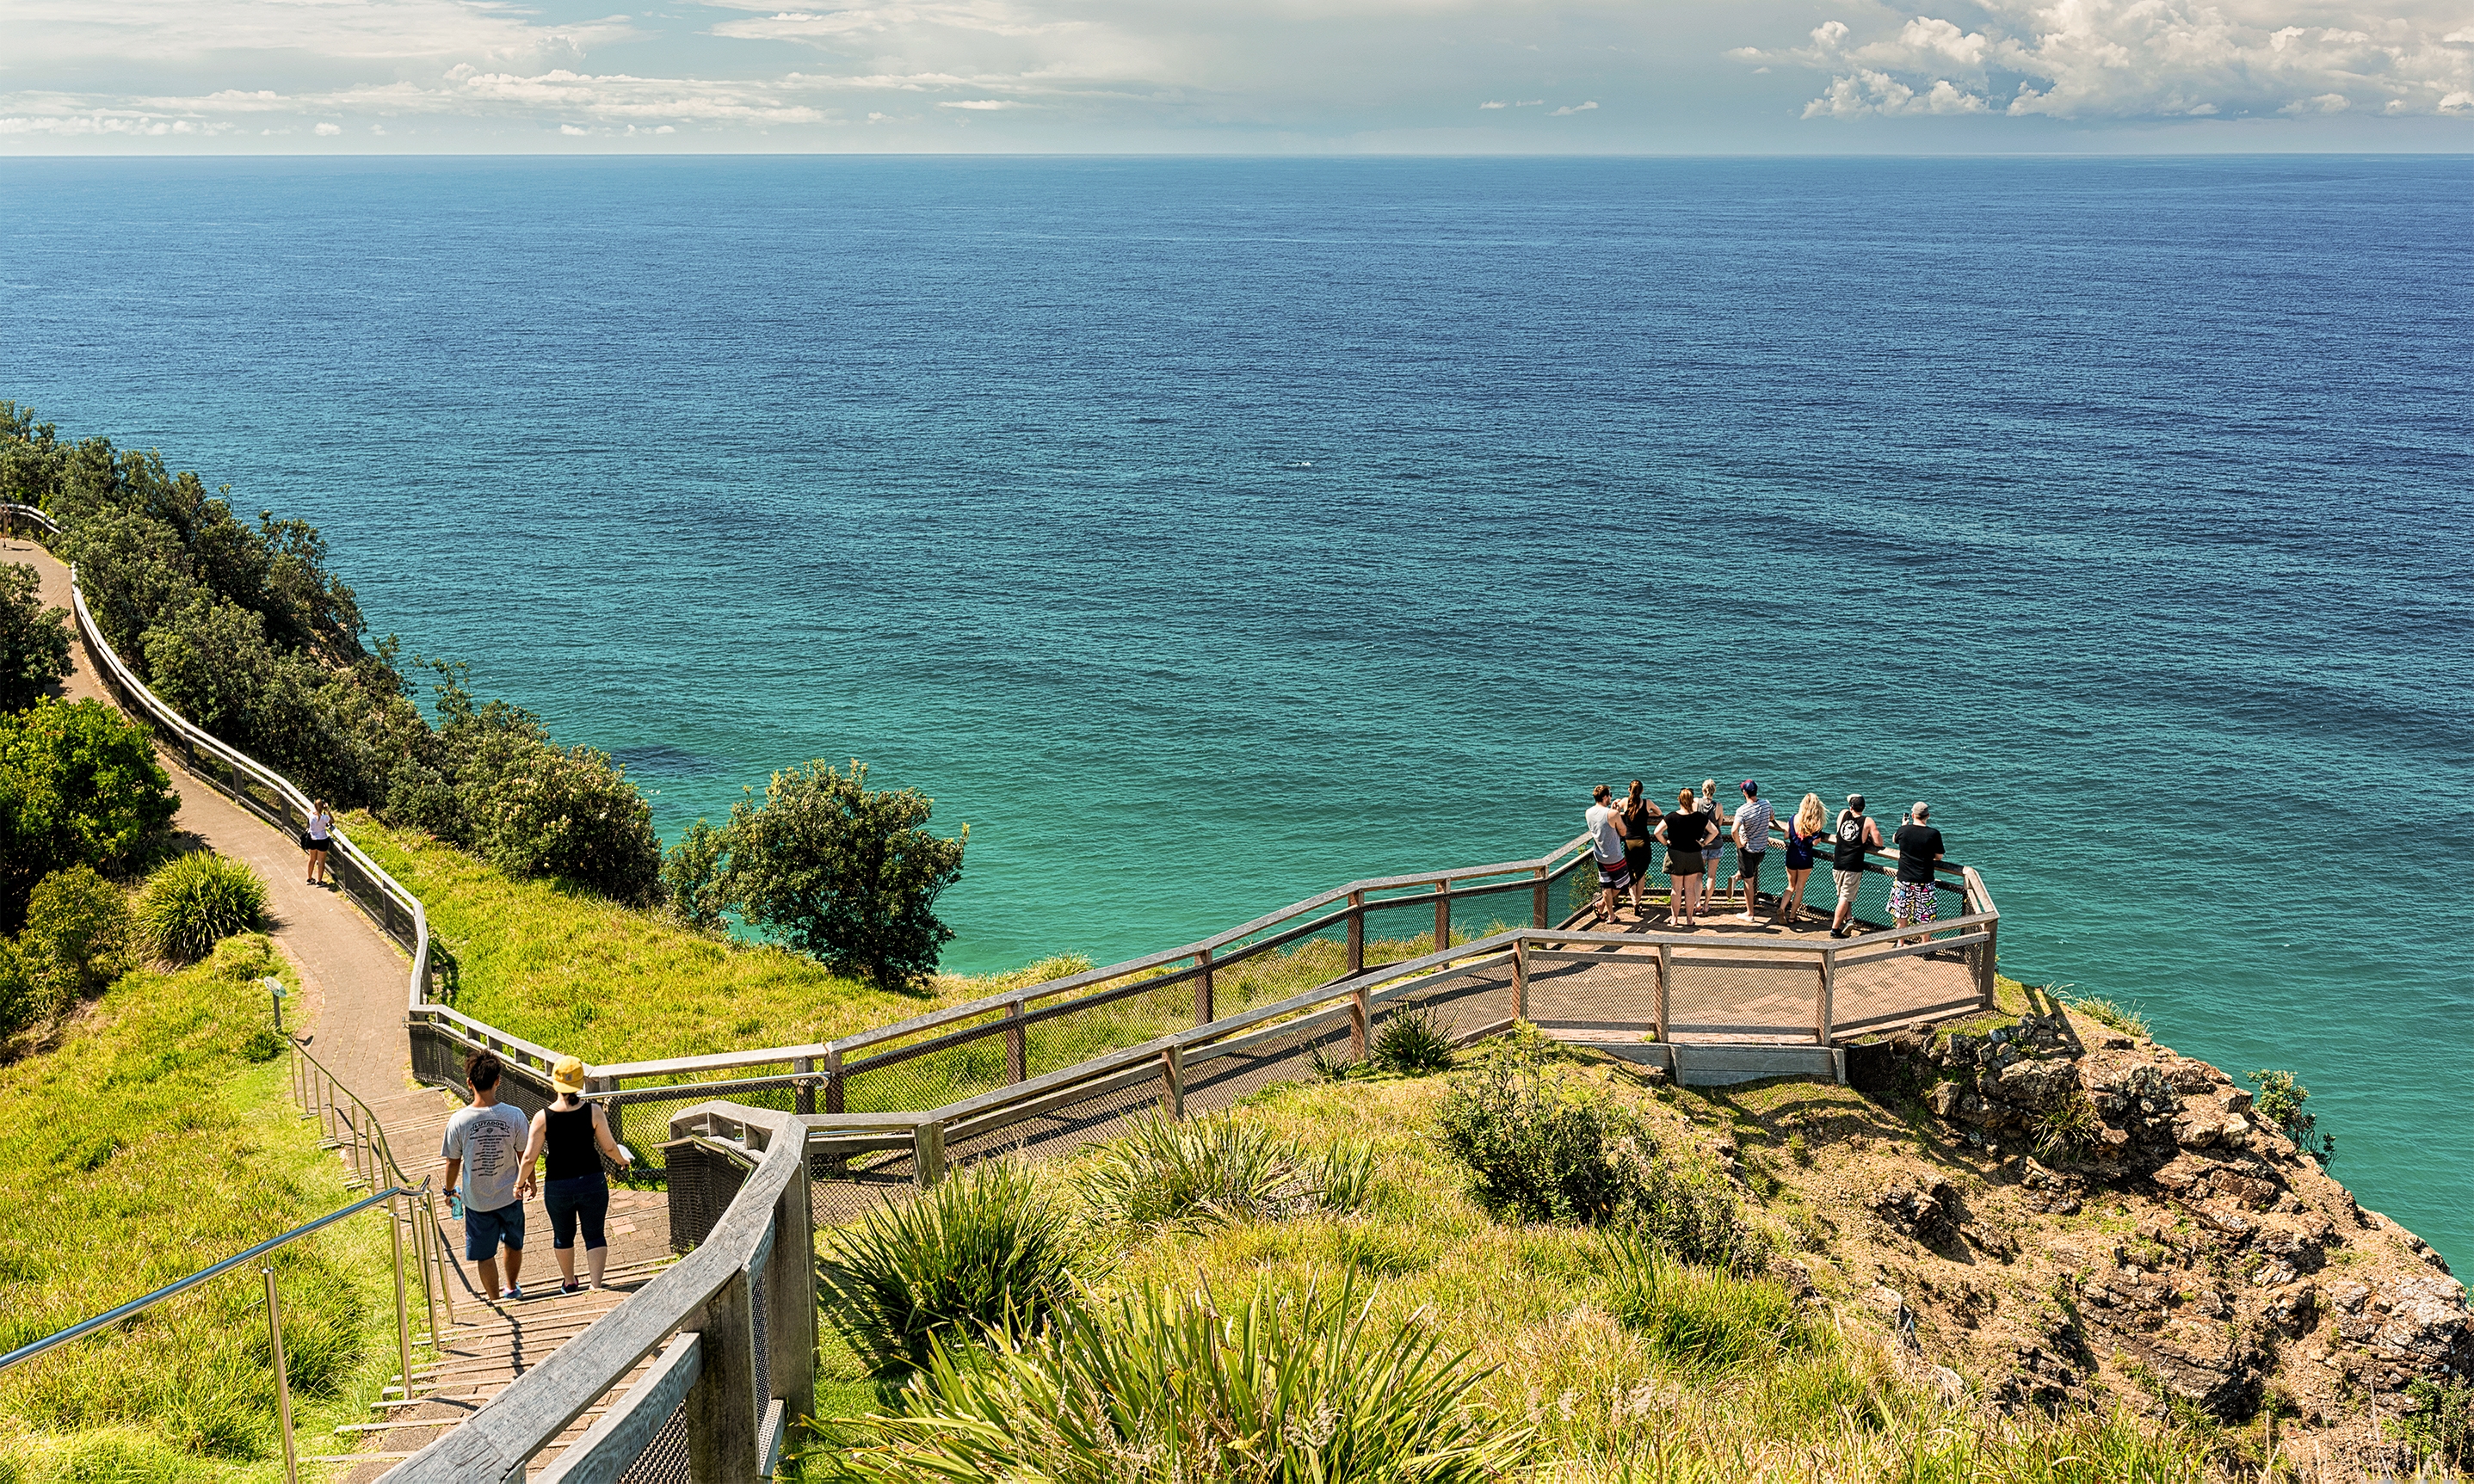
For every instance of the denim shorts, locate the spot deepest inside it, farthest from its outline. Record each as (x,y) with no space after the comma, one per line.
(485,1229)
(583,1199)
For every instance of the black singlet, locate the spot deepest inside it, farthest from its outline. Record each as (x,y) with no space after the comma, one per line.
(1847,853)
(569,1143)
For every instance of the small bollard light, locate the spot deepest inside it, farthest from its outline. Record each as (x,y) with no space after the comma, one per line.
(274,988)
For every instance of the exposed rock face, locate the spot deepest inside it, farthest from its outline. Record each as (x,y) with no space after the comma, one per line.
(1926,1209)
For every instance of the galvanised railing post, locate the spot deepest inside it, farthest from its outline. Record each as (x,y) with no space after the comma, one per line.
(403,1308)
(282,1382)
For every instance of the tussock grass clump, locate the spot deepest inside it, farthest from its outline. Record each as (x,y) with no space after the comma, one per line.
(2126,1018)
(985,1252)
(1163,1386)
(195,901)
(1216,1169)
(1702,1319)
(1412,1041)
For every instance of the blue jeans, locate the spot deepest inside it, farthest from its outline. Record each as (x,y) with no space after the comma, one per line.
(585,1198)
(485,1229)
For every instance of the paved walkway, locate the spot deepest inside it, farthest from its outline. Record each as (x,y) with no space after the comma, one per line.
(350,1012)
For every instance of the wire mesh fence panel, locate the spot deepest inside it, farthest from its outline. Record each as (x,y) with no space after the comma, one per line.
(1056,1041)
(1889,991)
(1059,1131)
(1479,913)
(1227,1078)
(664,1459)
(1604,992)
(1462,1002)
(1768,1003)
(639,1118)
(845,1188)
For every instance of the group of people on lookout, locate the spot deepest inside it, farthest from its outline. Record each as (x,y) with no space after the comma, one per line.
(1625,835)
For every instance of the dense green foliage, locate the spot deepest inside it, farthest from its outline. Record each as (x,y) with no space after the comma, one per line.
(986,1250)
(1214,1170)
(2280,1102)
(2441,1422)
(692,876)
(145,1145)
(80,935)
(194,902)
(79,786)
(1173,1386)
(21,993)
(843,872)
(34,640)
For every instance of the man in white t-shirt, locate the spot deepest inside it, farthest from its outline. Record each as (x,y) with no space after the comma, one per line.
(1606,845)
(1752,841)
(485,1145)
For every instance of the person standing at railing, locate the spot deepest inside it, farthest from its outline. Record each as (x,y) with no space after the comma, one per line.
(574,1135)
(1911,898)
(485,1145)
(1607,848)
(1856,833)
(1683,832)
(1803,832)
(1751,843)
(1713,845)
(1639,816)
(315,838)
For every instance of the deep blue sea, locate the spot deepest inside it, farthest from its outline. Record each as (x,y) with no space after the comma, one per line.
(1207,532)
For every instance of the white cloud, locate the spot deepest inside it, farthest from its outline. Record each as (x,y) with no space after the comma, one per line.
(1572,108)
(329,130)
(2110,59)
(979,105)
(1530,102)
(1484,106)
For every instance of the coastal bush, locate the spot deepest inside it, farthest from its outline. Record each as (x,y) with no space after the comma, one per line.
(34,640)
(2441,1422)
(194,902)
(21,993)
(984,1251)
(79,786)
(80,935)
(1537,1149)
(2279,1101)
(571,815)
(691,879)
(1216,1169)
(1161,1385)
(843,872)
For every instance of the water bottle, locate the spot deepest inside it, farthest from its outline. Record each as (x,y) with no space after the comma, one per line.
(454,1206)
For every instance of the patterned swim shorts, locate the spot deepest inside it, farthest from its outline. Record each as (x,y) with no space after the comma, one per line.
(1911,902)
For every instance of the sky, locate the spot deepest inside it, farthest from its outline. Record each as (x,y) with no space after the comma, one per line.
(297,76)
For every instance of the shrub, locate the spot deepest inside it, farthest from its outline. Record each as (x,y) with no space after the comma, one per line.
(692,876)
(78,934)
(1700,1318)
(2280,1102)
(1215,1169)
(986,1251)
(79,786)
(195,902)
(2441,1422)
(34,640)
(571,814)
(1411,1042)
(845,874)
(21,993)
(1161,1386)
(2068,1129)
(1698,1221)
(1538,1150)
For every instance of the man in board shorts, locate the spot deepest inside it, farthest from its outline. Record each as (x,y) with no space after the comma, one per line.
(1752,843)
(1607,845)
(1854,834)
(1911,900)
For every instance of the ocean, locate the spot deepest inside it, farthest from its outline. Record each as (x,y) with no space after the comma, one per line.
(1205,533)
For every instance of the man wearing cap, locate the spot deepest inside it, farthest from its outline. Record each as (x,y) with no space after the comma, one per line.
(1752,841)
(1607,845)
(485,1145)
(1856,833)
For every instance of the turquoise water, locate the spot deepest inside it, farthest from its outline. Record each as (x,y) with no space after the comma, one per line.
(1205,533)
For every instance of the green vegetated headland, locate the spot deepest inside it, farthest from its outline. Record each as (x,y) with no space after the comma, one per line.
(157,1134)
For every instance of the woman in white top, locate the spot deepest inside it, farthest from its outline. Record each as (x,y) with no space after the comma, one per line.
(315,839)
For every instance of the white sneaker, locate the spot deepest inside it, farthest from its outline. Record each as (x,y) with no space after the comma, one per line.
(512,1292)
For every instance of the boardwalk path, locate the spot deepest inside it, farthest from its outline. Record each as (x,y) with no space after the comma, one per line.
(351,1009)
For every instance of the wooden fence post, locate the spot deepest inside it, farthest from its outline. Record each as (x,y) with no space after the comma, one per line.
(927,1153)
(1172,1079)
(1825,996)
(1357,1016)
(1357,932)
(1017,1044)
(1666,981)
(803,1100)
(1985,959)
(790,1296)
(1537,899)
(1520,978)
(722,1408)
(832,1079)
(1203,1010)
(1443,915)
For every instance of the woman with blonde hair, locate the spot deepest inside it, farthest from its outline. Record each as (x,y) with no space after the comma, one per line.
(1683,832)
(1811,819)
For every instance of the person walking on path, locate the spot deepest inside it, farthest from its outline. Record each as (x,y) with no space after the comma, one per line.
(1802,833)
(1713,843)
(576,1136)
(1856,834)
(1683,831)
(1639,816)
(315,837)
(1753,818)
(484,1145)
(1607,845)
(1911,898)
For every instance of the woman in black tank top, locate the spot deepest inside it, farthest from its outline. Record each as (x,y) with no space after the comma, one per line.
(576,1137)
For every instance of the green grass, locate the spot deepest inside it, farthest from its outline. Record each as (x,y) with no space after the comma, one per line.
(1619,1363)
(145,1145)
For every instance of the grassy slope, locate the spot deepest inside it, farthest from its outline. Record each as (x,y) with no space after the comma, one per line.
(1536,1304)
(608,983)
(145,1146)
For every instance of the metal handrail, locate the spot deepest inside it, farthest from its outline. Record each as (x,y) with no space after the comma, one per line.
(428,1240)
(86,1326)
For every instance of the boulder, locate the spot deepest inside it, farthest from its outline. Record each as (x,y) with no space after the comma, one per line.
(1925,1207)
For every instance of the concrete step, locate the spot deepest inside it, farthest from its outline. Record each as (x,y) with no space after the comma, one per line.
(1719,1064)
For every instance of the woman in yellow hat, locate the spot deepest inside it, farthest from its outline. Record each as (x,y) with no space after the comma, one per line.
(575,1134)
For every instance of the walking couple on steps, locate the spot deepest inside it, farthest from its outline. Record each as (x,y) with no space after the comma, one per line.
(1624,835)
